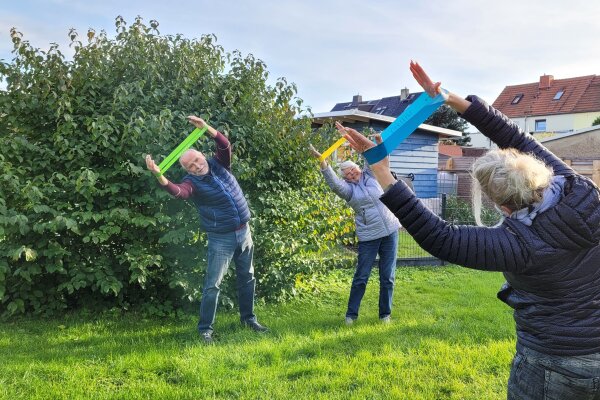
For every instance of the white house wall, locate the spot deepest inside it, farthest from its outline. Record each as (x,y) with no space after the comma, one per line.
(584,120)
(558,123)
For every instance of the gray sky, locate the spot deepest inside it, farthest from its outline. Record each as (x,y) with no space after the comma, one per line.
(335,49)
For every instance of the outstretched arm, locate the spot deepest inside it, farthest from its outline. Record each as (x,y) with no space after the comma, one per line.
(183,190)
(223,147)
(200,123)
(337,185)
(152,167)
(490,249)
(317,155)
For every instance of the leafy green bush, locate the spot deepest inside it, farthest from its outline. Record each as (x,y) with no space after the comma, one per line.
(83,224)
(459,212)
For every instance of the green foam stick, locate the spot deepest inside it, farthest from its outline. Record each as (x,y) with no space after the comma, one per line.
(175,154)
(183,146)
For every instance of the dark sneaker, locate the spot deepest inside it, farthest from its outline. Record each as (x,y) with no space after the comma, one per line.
(206,337)
(255,326)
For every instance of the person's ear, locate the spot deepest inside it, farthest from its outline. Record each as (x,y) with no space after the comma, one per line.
(506,210)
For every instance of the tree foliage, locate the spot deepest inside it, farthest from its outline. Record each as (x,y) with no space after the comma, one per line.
(596,122)
(83,224)
(446,117)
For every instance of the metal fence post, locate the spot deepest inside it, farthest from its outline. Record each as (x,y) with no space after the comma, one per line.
(444,207)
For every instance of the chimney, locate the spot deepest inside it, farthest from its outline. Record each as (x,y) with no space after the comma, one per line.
(357,99)
(404,93)
(546,81)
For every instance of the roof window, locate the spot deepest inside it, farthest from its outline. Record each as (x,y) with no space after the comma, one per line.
(558,95)
(517,99)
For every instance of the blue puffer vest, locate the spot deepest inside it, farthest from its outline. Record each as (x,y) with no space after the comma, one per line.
(219,199)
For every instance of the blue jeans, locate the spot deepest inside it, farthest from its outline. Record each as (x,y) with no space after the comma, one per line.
(222,248)
(537,376)
(387,248)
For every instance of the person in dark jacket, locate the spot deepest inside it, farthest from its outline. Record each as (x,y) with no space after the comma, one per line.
(547,246)
(377,231)
(225,216)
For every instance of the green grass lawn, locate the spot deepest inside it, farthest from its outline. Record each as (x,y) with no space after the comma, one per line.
(450,339)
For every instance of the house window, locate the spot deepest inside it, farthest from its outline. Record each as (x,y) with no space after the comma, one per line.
(558,95)
(540,125)
(517,99)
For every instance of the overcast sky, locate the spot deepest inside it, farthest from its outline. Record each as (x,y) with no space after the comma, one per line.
(335,49)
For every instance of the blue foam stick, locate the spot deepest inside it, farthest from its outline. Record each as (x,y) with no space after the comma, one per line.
(403,126)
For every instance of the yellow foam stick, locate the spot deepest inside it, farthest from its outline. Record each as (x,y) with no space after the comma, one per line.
(333,147)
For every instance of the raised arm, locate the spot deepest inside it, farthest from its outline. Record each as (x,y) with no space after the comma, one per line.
(223,147)
(183,190)
(490,249)
(317,155)
(337,185)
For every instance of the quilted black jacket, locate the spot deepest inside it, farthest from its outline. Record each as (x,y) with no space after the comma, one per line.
(552,267)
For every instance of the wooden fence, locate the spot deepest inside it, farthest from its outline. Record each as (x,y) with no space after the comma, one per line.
(586,166)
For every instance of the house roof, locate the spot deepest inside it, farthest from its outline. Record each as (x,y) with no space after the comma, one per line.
(579,94)
(386,109)
(355,115)
(389,106)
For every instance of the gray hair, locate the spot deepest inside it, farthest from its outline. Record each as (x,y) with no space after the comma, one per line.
(509,178)
(347,164)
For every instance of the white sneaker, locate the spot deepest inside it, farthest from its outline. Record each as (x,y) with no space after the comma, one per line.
(385,320)
(349,321)
(207,337)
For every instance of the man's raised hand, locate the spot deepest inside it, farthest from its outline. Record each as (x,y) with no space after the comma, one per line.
(151,165)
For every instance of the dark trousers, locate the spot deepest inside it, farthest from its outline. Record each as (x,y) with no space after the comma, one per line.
(387,248)
(534,375)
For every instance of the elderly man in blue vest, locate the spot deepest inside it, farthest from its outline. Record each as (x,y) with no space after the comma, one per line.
(225,216)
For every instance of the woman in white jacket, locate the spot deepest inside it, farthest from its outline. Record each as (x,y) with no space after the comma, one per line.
(376,228)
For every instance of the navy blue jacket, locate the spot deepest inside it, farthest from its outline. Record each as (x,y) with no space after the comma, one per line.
(552,267)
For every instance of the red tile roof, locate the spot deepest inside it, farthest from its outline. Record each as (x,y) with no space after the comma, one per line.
(581,94)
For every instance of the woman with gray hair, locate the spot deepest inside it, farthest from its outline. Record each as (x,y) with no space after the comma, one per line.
(548,248)
(376,228)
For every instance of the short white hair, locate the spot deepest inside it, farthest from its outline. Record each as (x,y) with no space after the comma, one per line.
(347,164)
(186,154)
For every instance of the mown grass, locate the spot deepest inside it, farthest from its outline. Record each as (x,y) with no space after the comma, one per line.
(450,339)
